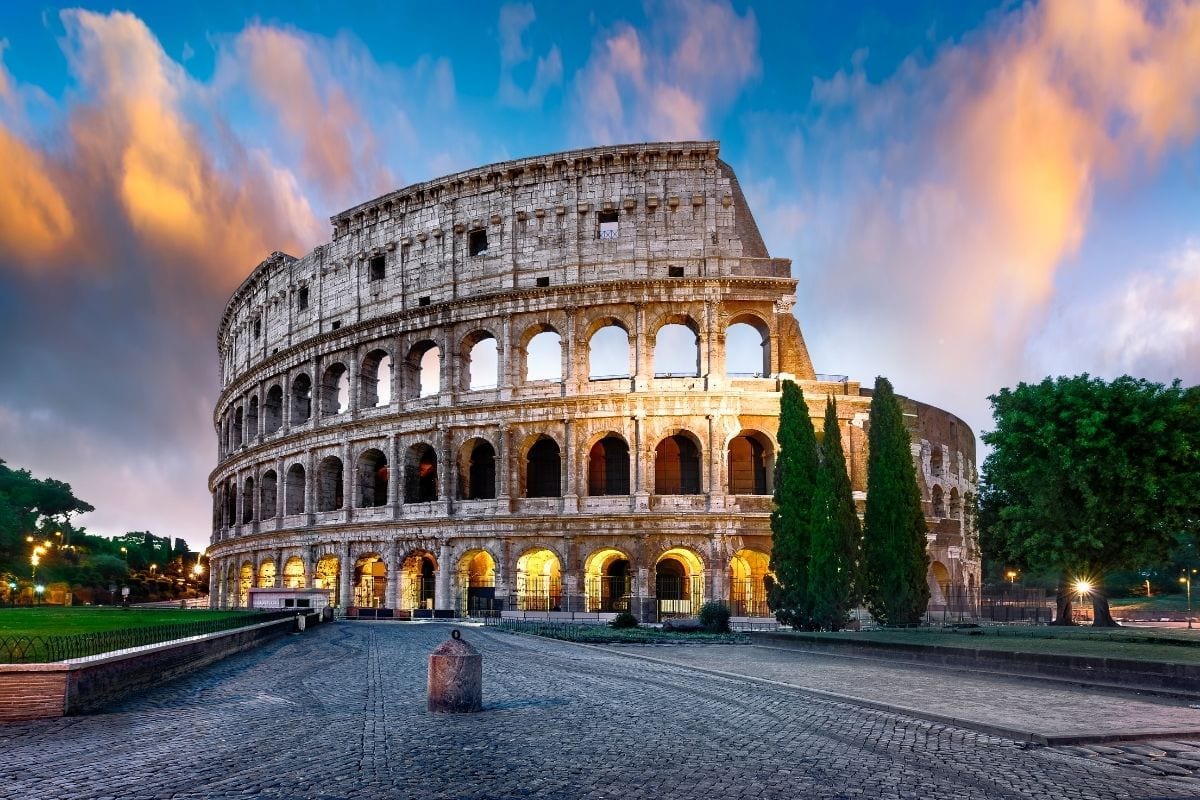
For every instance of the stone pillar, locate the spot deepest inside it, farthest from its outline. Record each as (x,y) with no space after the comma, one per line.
(345,577)
(394,573)
(570,378)
(310,483)
(570,491)
(352,399)
(641,481)
(315,395)
(280,488)
(395,470)
(279,562)
(714,485)
(349,470)
(572,594)
(443,600)
(641,370)
(504,358)
(286,409)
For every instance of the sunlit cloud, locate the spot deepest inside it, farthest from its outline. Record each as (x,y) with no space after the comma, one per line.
(515,19)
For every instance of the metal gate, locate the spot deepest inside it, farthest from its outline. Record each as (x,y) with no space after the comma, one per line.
(679,596)
(608,593)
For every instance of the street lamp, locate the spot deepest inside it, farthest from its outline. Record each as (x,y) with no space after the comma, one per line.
(38,591)
(1186,580)
(1012,576)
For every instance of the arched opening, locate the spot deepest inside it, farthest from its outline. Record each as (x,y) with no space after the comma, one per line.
(245,581)
(325,576)
(418,581)
(477,581)
(481,352)
(676,351)
(747,349)
(543,469)
(370,581)
(248,501)
(420,474)
(329,484)
(252,420)
(335,390)
(608,581)
(375,380)
(268,495)
(228,597)
(955,505)
(293,573)
(477,470)
(543,357)
(237,429)
(677,466)
(231,502)
(273,409)
(747,586)
(423,370)
(301,399)
(293,490)
(751,463)
(935,461)
(266,574)
(608,467)
(608,352)
(938,502)
(372,479)
(939,584)
(679,583)
(539,586)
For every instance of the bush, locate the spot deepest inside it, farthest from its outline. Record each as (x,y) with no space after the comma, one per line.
(714,615)
(624,620)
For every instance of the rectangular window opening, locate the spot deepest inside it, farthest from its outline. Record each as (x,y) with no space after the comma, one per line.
(337,323)
(302,298)
(378,268)
(545,281)
(424,301)
(609,225)
(674,272)
(257,328)
(477,243)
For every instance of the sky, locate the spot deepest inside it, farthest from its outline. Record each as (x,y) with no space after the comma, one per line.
(972,194)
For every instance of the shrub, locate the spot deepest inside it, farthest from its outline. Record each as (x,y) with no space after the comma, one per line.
(624,620)
(714,615)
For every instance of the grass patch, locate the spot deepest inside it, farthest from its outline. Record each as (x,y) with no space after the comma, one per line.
(1178,646)
(1158,605)
(602,634)
(58,621)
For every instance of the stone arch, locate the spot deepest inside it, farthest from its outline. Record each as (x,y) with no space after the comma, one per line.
(237,439)
(418,580)
(935,461)
(679,582)
(543,468)
(481,360)
(541,354)
(938,502)
(372,481)
(293,490)
(676,339)
(375,379)
(608,580)
(228,597)
(329,484)
(245,581)
(423,370)
(301,399)
(748,347)
(420,473)
(939,584)
(678,464)
(477,470)
(230,502)
(608,466)
(477,582)
(252,419)
(294,573)
(539,580)
(326,575)
(335,390)
(248,501)
(748,570)
(273,409)
(268,495)
(608,348)
(370,581)
(955,504)
(266,573)
(751,462)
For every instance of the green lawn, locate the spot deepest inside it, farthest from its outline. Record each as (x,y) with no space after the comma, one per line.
(58,621)
(1159,605)
(1175,645)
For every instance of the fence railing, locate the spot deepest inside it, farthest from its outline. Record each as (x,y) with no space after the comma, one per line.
(18,649)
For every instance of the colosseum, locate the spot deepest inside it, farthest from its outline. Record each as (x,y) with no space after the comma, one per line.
(546,385)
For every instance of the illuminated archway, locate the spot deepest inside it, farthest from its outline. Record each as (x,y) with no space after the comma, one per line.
(747,588)
(245,581)
(266,574)
(477,583)
(325,576)
(293,573)
(539,581)
(679,583)
(370,581)
(608,581)
(418,581)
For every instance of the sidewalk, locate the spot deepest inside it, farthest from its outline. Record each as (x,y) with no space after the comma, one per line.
(1026,709)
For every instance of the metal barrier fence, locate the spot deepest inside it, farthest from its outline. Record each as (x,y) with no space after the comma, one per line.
(16,649)
(962,604)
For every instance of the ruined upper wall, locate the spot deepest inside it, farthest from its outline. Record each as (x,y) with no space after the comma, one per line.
(678,212)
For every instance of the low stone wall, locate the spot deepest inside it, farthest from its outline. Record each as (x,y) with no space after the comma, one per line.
(38,691)
(1148,675)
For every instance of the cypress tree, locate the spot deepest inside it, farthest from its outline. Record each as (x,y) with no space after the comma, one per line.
(835,534)
(795,478)
(894,559)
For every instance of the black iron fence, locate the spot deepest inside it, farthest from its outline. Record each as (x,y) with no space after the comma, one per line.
(1016,604)
(17,649)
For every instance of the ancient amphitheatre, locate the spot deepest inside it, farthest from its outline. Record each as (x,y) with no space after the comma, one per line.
(549,384)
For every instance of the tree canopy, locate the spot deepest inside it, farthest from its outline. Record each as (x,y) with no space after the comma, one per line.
(835,534)
(795,480)
(1086,476)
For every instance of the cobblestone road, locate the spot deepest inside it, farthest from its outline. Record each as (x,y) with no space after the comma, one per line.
(339,713)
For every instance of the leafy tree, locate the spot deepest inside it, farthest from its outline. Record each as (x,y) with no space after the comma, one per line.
(1086,477)
(795,479)
(835,533)
(29,506)
(894,559)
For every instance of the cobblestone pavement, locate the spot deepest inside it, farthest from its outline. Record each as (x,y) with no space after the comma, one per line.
(339,713)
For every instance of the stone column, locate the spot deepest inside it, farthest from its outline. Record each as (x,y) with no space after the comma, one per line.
(352,398)
(314,395)
(443,600)
(641,370)
(570,492)
(349,472)
(280,488)
(286,409)
(641,480)
(394,572)
(572,597)
(570,379)
(310,482)
(504,358)
(395,470)
(345,577)
(503,471)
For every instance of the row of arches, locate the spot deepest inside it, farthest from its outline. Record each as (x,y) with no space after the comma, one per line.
(608,583)
(677,470)
(542,357)
(938,503)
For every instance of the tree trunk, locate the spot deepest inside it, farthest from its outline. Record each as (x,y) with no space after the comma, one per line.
(1063,603)
(1101,614)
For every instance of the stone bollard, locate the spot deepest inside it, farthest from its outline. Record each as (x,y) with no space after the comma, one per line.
(455,677)
(300,620)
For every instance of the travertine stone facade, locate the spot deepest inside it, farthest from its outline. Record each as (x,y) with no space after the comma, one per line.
(391,427)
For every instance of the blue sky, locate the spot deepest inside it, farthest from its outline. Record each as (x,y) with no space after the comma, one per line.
(972,194)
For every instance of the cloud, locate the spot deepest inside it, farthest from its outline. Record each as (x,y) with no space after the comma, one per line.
(969,183)
(666,82)
(514,20)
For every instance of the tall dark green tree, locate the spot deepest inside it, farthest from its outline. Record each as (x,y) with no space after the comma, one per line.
(795,479)
(894,558)
(835,534)
(1086,477)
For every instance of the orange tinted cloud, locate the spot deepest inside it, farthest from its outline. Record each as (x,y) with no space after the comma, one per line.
(35,221)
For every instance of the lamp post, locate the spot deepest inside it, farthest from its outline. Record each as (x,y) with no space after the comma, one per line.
(1186,580)
(37,590)
(1012,577)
